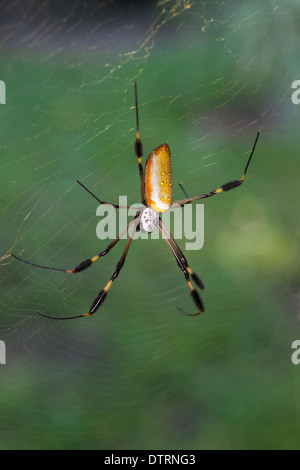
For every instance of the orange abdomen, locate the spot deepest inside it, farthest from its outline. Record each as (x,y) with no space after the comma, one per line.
(158,179)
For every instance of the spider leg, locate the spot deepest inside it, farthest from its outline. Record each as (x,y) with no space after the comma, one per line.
(103,293)
(224,187)
(116,206)
(181,256)
(138,147)
(186,271)
(183,190)
(84,264)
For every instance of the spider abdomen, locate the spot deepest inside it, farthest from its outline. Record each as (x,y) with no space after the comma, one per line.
(158,179)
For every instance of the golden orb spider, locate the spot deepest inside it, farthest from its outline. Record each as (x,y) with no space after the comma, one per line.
(157,197)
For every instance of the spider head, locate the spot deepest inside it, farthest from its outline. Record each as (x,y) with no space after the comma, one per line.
(148,220)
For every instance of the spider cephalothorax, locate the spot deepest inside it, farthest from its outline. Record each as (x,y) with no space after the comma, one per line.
(148,220)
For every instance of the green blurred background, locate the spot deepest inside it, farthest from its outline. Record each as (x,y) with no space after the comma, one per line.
(138,374)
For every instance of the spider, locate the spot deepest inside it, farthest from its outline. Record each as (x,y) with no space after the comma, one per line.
(157,197)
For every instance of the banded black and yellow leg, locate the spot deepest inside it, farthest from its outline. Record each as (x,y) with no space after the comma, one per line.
(103,293)
(181,256)
(224,187)
(186,270)
(84,264)
(138,147)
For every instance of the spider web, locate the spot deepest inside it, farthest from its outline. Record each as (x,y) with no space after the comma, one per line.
(138,374)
